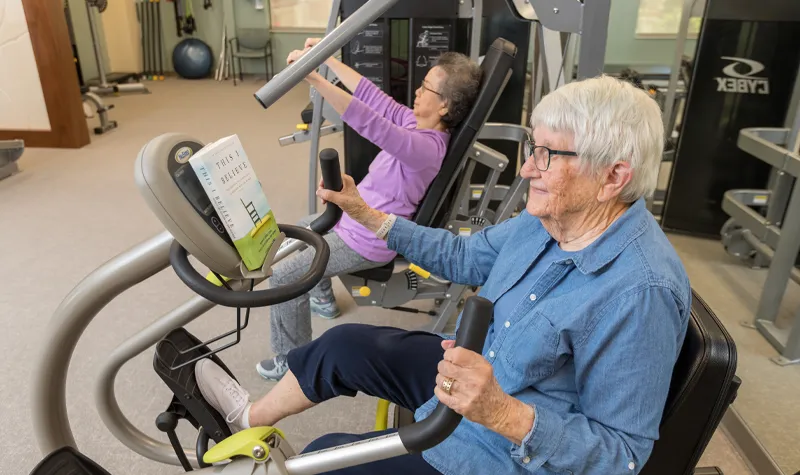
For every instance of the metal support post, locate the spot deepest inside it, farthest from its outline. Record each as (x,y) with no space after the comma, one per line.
(680,46)
(592,53)
(539,78)
(316,122)
(780,270)
(96,44)
(569,60)
(477,26)
(775,286)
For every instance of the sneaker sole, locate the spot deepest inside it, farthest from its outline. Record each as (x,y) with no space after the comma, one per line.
(328,317)
(266,375)
(316,312)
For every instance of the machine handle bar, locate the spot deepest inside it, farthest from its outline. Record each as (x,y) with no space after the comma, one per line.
(179,259)
(332,180)
(293,74)
(443,421)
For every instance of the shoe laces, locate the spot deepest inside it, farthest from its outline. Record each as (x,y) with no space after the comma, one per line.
(281,363)
(239,396)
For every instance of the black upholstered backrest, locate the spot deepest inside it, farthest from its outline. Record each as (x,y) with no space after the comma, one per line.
(496,68)
(703,386)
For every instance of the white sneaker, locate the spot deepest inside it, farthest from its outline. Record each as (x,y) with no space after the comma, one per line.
(223,393)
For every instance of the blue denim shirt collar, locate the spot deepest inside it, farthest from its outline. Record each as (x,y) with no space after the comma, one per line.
(610,244)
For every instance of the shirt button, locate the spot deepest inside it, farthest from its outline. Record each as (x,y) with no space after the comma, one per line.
(526,459)
(533,297)
(491,354)
(631,466)
(508,324)
(568,262)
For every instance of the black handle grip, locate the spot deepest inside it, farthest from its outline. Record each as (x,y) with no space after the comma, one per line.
(331,180)
(443,421)
(179,259)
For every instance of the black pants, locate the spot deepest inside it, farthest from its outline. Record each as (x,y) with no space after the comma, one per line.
(392,364)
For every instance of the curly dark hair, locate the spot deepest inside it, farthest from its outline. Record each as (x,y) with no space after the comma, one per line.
(461,86)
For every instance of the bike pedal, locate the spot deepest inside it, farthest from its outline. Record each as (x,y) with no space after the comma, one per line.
(177,347)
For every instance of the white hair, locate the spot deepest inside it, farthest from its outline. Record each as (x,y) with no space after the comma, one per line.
(611,121)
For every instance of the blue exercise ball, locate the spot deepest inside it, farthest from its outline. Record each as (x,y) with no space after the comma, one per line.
(192,59)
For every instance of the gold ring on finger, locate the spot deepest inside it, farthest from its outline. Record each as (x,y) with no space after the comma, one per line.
(447,384)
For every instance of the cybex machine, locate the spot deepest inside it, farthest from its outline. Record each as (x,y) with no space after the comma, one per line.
(742,76)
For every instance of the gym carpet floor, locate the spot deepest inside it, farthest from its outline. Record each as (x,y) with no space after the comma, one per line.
(69,211)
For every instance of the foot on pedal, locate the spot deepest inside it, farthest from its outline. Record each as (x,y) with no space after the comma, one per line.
(224,394)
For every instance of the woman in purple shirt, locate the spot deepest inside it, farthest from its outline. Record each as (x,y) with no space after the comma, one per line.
(413,142)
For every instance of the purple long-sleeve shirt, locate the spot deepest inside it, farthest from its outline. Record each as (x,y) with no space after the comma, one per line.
(400,175)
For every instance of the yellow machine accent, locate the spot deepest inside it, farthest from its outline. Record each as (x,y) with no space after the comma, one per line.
(247,443)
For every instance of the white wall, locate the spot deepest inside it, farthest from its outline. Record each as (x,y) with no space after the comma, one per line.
(22,105)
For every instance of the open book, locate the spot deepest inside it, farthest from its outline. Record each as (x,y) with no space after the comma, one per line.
(233,187)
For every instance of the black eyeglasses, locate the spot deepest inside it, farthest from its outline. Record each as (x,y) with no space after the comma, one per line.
(429,89)
(542,155)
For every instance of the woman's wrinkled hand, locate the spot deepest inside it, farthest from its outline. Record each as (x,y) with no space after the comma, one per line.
(349,199)
(475,393)
(295,55)
(311,42)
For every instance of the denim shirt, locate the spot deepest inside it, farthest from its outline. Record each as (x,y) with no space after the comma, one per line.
(591,346)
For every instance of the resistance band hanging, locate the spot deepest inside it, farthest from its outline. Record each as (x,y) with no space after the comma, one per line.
(189,25)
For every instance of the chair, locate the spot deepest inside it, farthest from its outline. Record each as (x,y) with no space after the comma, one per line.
(258,43)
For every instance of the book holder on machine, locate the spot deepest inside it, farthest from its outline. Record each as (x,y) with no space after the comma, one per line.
(174,193)
(181,357)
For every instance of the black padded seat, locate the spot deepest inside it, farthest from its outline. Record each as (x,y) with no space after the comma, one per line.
(703,385)
(378,274)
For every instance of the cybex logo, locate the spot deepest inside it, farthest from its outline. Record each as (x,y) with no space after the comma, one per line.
(742,82)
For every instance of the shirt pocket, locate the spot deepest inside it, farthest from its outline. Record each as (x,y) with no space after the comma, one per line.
(530,352)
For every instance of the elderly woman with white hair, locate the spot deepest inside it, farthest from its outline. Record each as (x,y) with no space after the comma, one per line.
(591,305)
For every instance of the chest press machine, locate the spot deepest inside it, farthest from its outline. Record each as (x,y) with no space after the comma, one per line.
(456,200)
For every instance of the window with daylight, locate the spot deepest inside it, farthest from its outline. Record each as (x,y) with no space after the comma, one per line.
(662,19)
(300,13)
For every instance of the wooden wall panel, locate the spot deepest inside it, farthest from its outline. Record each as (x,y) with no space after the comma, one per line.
(51,46)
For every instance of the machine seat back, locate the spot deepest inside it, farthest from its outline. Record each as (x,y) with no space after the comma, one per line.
(496,69)
(703,386)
